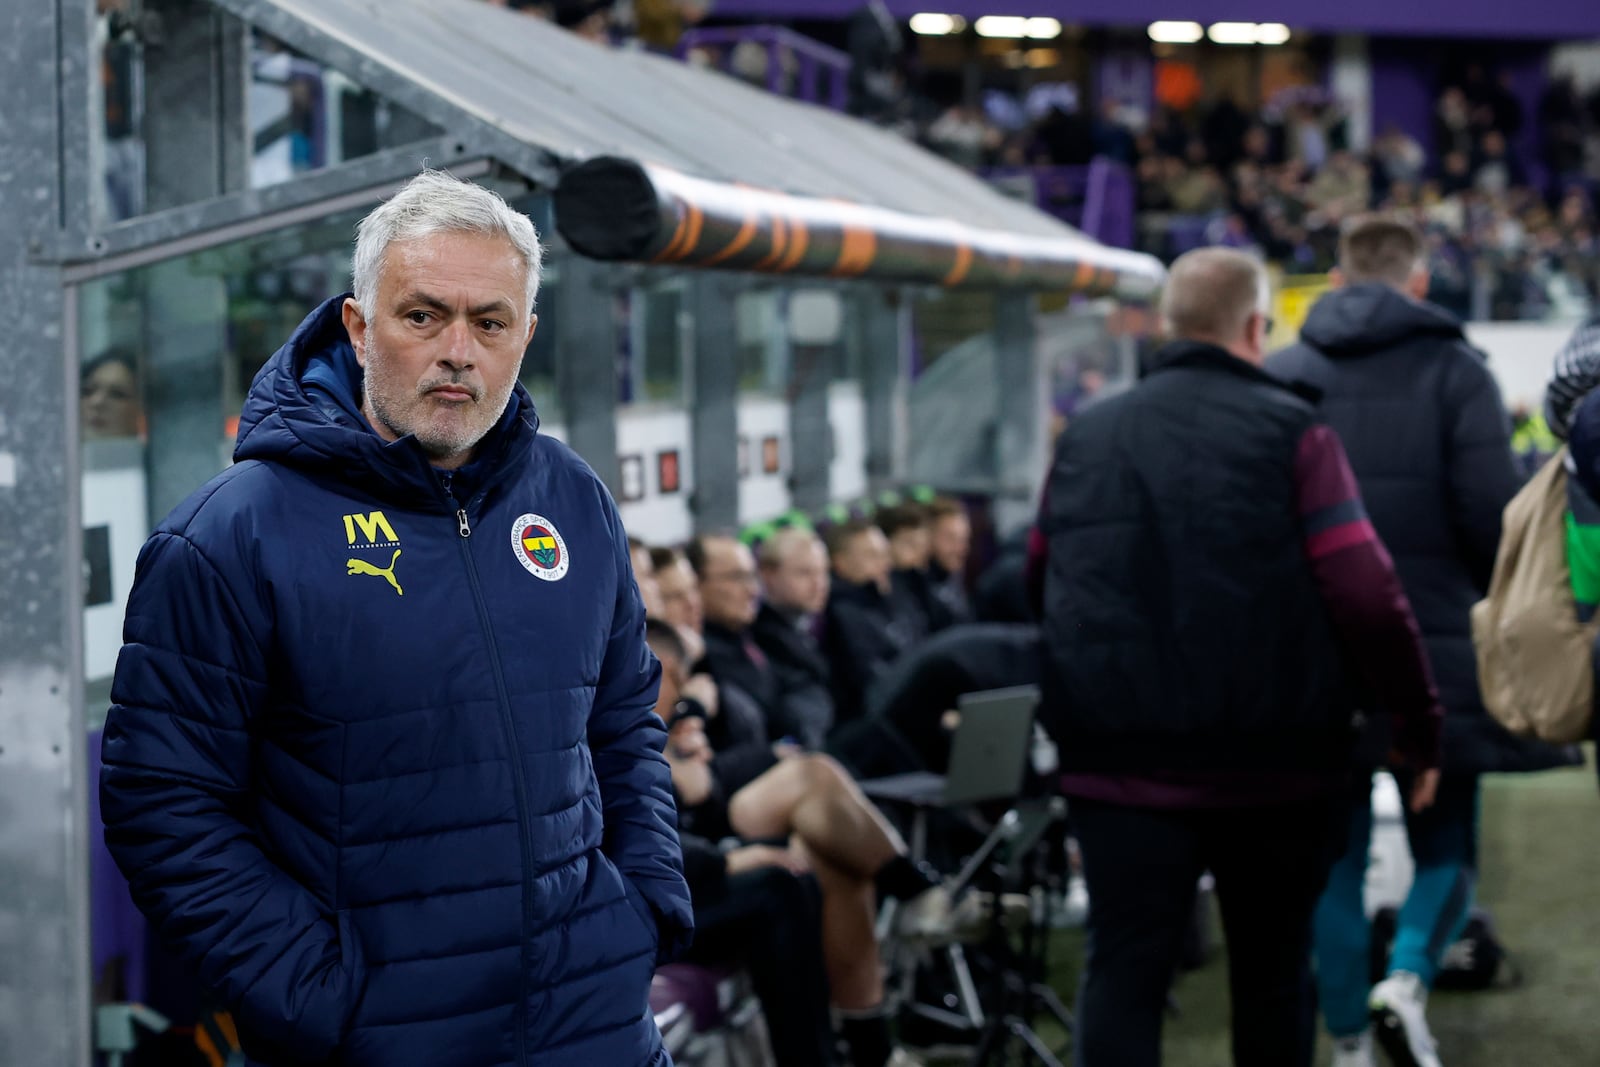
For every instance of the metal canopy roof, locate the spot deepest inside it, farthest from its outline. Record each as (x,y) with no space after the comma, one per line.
(570,100)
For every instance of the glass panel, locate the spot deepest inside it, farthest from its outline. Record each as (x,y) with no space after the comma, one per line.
(760,322)
(301,116)
(943,320)
(538,375)
(656,343)
(304,116)
(120,107)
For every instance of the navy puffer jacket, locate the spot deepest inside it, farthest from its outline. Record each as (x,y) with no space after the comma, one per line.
(383,764)
(1429,440)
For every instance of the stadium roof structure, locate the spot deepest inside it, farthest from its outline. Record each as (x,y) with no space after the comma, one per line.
(706,170)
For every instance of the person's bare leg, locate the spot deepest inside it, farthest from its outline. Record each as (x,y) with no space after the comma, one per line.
(814,799)
(849,942)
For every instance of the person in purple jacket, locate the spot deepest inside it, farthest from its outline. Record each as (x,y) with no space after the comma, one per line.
(1216,608)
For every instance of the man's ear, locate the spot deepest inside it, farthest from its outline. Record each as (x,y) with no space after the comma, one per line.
(355,324)
(533,324)
(1417,284)
(1336,278)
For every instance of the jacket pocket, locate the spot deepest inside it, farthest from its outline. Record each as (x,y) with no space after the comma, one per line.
(641,908)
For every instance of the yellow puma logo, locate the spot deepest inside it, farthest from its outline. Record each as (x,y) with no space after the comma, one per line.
(361,566)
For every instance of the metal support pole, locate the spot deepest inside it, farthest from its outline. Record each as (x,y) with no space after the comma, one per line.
(713,406)
(586,373)
(44,966)
(235,146)
(810,431)
(883,324)
(1020,431)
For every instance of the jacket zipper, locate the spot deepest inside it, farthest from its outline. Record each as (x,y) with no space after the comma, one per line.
(464,528)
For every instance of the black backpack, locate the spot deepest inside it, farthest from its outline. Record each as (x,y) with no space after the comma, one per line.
(1476,961)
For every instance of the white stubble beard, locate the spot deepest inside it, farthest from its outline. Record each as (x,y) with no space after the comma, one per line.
(379,389)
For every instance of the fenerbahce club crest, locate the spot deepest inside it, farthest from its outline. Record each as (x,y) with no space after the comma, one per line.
(539,547)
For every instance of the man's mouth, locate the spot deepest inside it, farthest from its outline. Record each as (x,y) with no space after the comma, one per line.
(454,393)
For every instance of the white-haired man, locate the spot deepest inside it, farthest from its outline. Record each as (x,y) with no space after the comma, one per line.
(383,763)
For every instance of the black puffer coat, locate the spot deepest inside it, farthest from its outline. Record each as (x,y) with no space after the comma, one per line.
(1428,437)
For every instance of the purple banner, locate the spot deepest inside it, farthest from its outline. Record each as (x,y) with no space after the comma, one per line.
(1545,20)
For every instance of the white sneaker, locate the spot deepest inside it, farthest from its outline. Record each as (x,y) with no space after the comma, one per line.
(901,1058)
(1071,909)
(1354,1051)
(1399,1006)
(934,918)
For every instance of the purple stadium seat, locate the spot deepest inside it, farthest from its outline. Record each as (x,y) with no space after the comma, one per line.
(116,929)
(706,991)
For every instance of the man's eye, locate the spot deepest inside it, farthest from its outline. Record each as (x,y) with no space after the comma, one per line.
(491,326)
(418,318)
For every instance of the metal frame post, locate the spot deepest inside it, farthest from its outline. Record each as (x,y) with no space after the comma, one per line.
(44,969)
(234,216)
(883,330)
(811,442)
(810,429)
(713,405)
(586,373)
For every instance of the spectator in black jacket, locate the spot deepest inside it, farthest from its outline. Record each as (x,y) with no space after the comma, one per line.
(679,592)
(730,590)
(736,722)
(1002,591)
(916,692)
(794,582)
(862,635)
(755,907)
(950,543)
(908,529)
(1429,441)
(1209,580)
(828,828)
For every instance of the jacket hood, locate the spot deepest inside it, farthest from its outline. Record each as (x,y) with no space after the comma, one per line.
(304,411)
(1362,319)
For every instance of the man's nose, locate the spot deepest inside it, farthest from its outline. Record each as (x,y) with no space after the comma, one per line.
(457,352)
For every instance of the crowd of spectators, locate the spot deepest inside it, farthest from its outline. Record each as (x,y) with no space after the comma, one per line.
(1510,218)
(793,671)
(1512,234)
(654,24)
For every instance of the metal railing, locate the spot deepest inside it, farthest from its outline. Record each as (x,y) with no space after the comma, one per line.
(1098,198)
(821,74)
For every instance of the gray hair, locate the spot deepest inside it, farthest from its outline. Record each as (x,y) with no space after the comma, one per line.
(437,202)
(783,542)
(1211,293)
